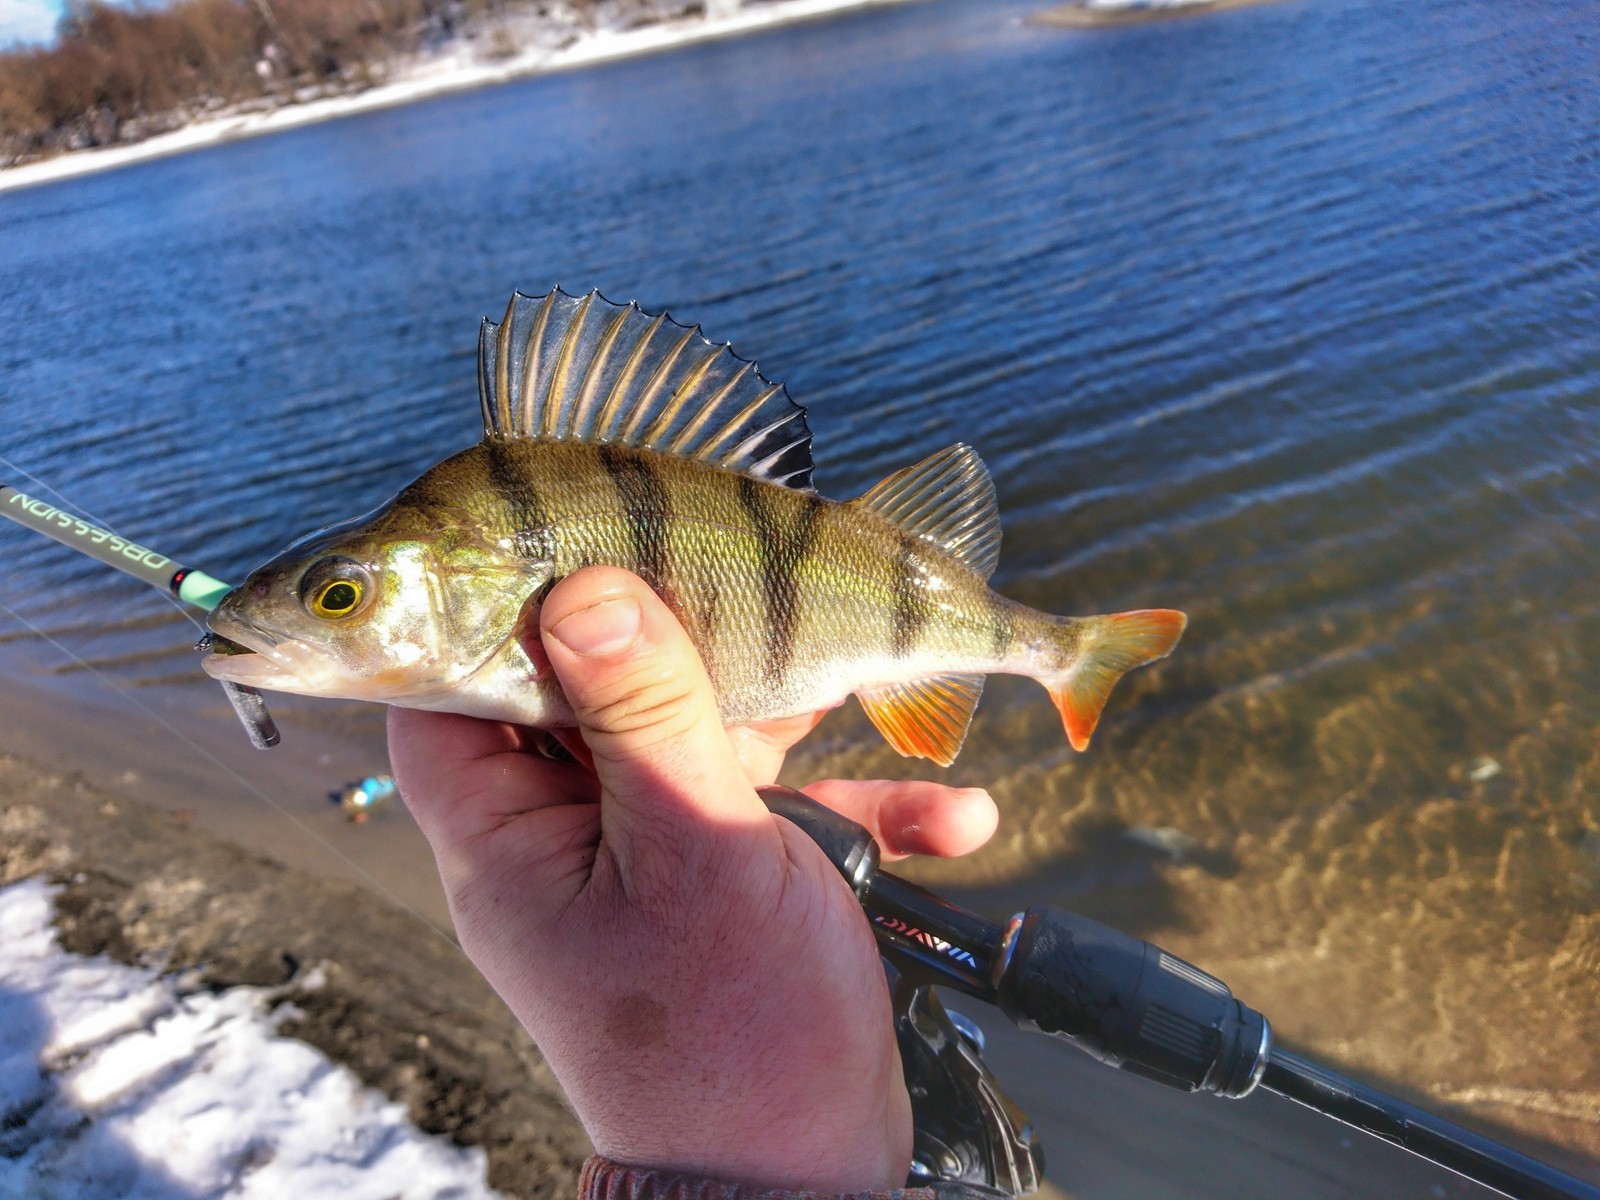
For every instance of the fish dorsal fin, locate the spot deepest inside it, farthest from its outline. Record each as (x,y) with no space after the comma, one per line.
(928,718)
(947,498)
(580,368)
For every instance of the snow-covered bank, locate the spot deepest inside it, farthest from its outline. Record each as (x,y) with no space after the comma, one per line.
(116,1082)
(142,882)
(455,69)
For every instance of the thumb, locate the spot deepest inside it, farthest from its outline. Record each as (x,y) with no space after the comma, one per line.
(645,708)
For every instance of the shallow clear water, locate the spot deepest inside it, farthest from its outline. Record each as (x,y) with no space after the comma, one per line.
(1287,316)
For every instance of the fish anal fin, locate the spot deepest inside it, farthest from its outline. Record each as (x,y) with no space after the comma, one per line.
(1106,648)
(947,498)
(559,367)
(925,719)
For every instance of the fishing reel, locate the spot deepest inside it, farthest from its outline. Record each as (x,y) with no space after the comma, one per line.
(964,1128)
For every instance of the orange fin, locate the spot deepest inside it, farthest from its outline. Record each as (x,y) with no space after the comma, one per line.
(925,719)
(1109,647)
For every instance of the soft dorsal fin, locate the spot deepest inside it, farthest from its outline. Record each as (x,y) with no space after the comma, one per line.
(925,719)
(579,368)
(947,498)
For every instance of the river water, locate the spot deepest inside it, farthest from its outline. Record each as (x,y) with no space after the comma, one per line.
(1286,316)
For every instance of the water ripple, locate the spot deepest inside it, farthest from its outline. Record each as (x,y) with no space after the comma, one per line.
(1288,318)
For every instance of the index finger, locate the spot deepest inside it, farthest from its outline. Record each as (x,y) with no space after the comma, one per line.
(463,776)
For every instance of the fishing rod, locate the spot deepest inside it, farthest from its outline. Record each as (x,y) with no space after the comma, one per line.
(188,584)
(1133,1006)
(1124,1001)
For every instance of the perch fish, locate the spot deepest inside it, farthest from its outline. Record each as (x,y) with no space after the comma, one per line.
(613,437)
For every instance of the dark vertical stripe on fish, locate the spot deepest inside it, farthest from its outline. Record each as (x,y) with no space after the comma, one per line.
(782,551)
(644,498)
(707,613)
(1001,628)
(530,532)
(910,613)
(708,610)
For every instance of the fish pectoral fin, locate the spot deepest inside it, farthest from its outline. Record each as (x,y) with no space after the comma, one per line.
(925,719)
(948,499)
(1113,645)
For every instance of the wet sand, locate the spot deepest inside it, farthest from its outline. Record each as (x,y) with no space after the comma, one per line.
(166,858)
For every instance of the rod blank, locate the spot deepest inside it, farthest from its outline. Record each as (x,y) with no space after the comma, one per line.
(1433,1138)
(187,584)
(155,569)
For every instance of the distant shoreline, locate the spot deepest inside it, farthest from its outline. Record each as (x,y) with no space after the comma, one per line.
(1078,16)
(439,74)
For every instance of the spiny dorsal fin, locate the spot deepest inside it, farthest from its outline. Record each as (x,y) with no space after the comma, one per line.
(928,718)
(579,368)
(947,498)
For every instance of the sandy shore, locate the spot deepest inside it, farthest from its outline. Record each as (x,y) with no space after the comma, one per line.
(165,857)
(1076,16)
(451,70)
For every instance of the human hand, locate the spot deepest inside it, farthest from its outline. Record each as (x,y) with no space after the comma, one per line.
(696,972)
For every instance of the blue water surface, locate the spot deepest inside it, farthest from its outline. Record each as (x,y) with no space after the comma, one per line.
(1287,316)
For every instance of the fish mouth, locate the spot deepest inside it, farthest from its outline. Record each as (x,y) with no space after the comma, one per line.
(217,644)
(240,653)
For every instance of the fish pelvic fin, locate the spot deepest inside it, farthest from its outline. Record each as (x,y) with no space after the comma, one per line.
(925,719)
(1101,650)
(948,499)
(559,367)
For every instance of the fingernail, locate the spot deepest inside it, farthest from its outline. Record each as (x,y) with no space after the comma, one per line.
(605,628)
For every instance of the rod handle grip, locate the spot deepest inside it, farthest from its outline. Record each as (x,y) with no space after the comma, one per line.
(1129,1003)
(848,845)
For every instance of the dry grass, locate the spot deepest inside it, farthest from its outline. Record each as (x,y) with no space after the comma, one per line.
(120,74)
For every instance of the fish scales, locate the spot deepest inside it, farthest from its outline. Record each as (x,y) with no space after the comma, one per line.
(620,439)
(808,591)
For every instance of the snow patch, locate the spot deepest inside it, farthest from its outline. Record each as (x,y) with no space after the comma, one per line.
(117,1085)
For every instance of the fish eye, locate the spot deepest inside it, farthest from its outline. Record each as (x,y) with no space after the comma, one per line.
(335,588)
(336,598)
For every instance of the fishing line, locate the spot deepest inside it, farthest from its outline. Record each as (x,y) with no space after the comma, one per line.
(43,486)
(195,746)
(78,508)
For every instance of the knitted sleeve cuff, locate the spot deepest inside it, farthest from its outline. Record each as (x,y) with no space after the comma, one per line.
(603,1179)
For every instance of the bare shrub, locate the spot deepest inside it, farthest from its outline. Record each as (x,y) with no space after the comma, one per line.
(118,71)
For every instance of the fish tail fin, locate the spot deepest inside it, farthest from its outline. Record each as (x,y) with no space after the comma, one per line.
(1097,652)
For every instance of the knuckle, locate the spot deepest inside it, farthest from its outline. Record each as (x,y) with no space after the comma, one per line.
(651,703)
